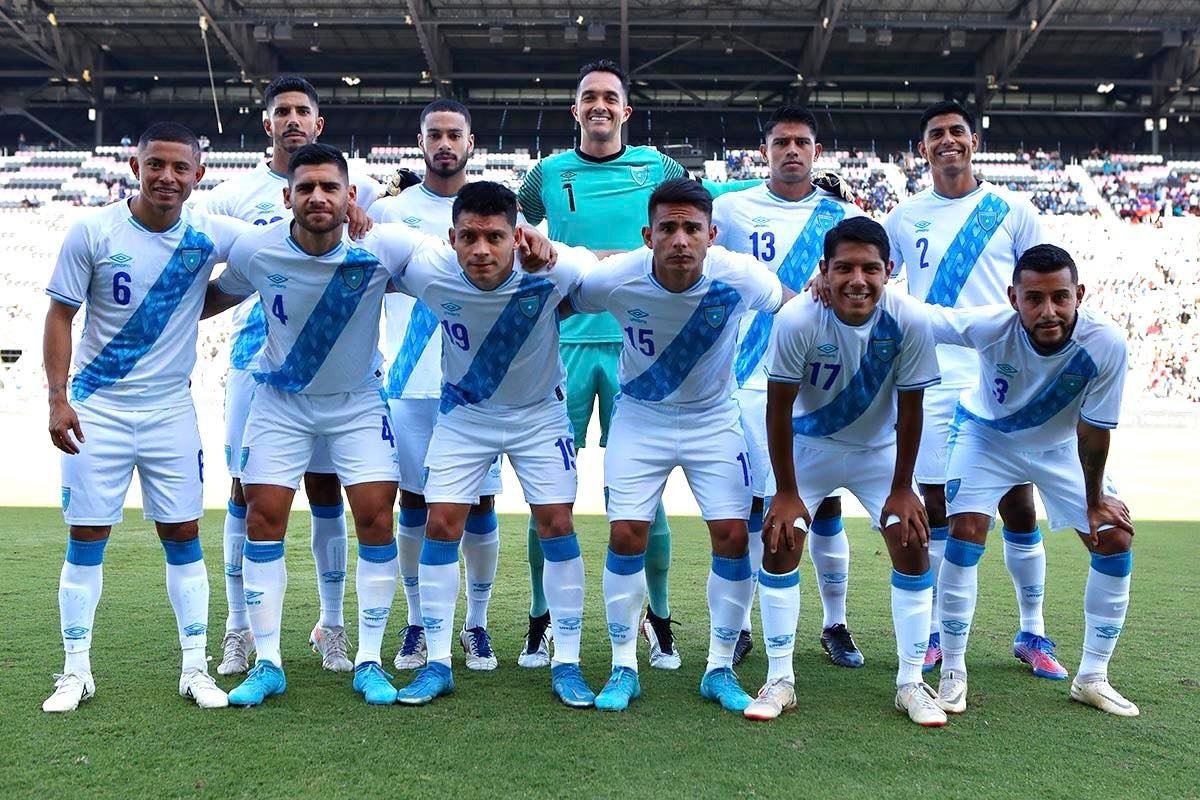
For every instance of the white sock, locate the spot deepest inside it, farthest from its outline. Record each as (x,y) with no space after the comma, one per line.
(937,551)
(754,528)
(730,591)
(439,593)
(79,586)
(1025,557)
(829,549)
(410,539)
(329,549)
(187,587)
(912,603)
(375,582)
(1105,601)
(234,541)
(481,553)
(624,587)
(779,606)
(562,580)
(958,586)
(265,579)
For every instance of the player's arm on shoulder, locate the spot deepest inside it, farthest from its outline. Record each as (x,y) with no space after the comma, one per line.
(591,293)
(891,226)
(367,192)
(233,284)
(529,196)
(1029,230)
(917,368)
(764,291)
(671,168)
(535,250)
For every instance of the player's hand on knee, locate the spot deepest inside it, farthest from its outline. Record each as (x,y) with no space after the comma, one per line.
(63,423)
(1108,513)
(904,508)
(535,250)
(787,516)
(358,221)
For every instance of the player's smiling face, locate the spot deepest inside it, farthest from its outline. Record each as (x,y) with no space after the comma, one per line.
(791,150)
(292,121)
(318,195)
(446,142)
(485,246)
(680,235)
(600,106)
(167,173)
(856,275)
(1048,304)
(948,144)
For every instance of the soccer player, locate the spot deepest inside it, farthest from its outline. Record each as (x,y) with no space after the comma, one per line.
(783,223)
(291,119)
(1051,374)
(681,303)
(958,242)
(414,381)
(844,410)
(140,267)
(501,393)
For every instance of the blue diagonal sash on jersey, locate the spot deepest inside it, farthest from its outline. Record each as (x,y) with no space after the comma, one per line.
(969,243)
(795,270)
(1053,398)
(324,325)
(140,333)
(857,396)
(500,346)
(249,340)
(421,325)
(676,361)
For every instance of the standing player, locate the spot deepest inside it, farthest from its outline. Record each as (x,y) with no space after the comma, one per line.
(1050,381)
(958,242)
(845,411)
(414,382)
(682,303)
(140,267)
(783,224)
(291,119)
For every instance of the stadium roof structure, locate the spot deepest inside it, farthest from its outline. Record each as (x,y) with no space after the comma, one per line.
(1108,64)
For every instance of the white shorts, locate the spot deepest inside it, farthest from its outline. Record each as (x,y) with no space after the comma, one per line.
(866,474)
(164,445)
(538,441)
(646,442)
(753,405)
(239,390)
(284,428)
(939,405)
(413,420)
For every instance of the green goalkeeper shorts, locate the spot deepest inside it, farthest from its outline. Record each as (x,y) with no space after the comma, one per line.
(591,373)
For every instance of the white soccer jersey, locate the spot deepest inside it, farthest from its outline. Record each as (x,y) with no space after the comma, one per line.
(257,197)
(678,347)
(323,331)
(960,253)
(788,237)
(411,350)
(144,292)
(1029,401)
(499,347)
(849,374)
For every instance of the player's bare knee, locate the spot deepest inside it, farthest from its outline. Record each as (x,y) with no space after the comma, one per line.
(441,527)
(554,521)
(730,538)
(178,531)
(783,560)
(970,527)
(90,533)
(1112,542)
(830,507)
(628,538)
(373,526)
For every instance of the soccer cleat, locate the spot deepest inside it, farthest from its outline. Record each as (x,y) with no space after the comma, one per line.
(330,643)
(1038,652)
(200,687)
(264,681)
(536,653)
(569,686)
(920,702)
(235,652)
(952,691)
(722,686)
(623,687)
(1099,694)
(774,698)
(413,652)
(657,630)
(374,684)
(70,689)
(477,646)
(431,683)
(743,647)
(933,652)
(839,644)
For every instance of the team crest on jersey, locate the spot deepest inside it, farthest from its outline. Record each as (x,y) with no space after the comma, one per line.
(952,488)
(640,174)
(451,309)
(1006,369)
(827,349)
(66,497)
(192,258)
(884,349)
(530,304)
(412,222)
(760,222)
(637,314)
(1072,381)
(353,275)
(922,225)
(988,219)
(120,258)
(825,220)
(714,315)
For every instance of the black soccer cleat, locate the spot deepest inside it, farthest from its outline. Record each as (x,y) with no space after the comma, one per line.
(743,647)
(839,644)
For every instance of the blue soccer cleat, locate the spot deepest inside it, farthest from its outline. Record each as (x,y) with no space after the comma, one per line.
(264,681)
(933,652)
(1038,653)
(431,683)
(622,688)
(722,685)
(373,684)
(570,687)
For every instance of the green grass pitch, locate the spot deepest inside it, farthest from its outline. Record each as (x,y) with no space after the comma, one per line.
(502,734)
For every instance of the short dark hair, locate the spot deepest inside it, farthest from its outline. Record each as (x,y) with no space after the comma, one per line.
(170,132)
(289,83)
(946,107)
(485,199)
(446,104)
(790,114)
(681,190)
(604,65)
(313,154)
(861,230)
(1044,259)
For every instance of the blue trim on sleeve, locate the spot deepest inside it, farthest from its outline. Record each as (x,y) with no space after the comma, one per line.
(787,580)
(483,523)
(560,548)
(413,517)
(913,583)
(731,569)
(625,565)
(1095,423)
(262,552)
(236,511)
(328,512)
(1030,538)
(963,553)
(915,386)
(437,554)
(62,298)
(1117,565)
(378,553)
(86,554)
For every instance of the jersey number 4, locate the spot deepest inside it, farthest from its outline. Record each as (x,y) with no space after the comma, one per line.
(277,309)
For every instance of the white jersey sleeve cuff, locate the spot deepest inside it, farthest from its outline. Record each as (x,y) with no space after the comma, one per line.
(62,298)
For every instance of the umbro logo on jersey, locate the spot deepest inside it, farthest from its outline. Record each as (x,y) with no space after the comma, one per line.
(265,206)
(195,629)
(276,279)
(192,257)
(640,175)
(760,222)
(922,225)
(827,349)
(120,258)
(412,222)
(567,176)
(637,314)
(451,308)
(1006,369)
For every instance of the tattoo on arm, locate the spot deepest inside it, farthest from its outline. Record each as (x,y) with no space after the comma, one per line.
(1093,455)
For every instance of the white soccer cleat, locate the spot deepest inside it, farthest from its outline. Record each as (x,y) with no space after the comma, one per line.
(920,701)
(198,685)
(663,653)
(1100,694)
(535,654)
(477,646)
(773,699)
(413,651)
(235,652)
(330,643)
(952,692)
(70,690)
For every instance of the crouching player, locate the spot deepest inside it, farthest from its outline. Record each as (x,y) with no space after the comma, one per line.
(844,411)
